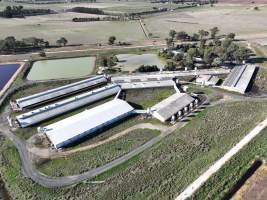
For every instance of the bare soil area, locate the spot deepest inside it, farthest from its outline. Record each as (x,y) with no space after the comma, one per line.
(255,188)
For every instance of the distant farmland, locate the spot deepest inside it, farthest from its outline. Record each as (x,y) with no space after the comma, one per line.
(243,1)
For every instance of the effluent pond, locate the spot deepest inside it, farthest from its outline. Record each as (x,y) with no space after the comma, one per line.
(130,62)
(62,68)
(6,73)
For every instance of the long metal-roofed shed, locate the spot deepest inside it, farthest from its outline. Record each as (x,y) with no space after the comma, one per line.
(147,84)
(56,93)
(169,107)
(73,129)
(239,78)
(58,108)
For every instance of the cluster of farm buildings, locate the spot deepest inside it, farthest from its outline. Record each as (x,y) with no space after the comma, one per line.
(42,106)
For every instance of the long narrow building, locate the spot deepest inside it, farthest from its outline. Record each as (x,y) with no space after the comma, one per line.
(58,108)
(73,129)
(166,109)
(49,95)
(239,78)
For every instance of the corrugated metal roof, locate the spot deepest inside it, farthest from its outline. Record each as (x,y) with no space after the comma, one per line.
(170,106)
(60,91)
(147,84)
(76,125)
(207,79)
(52,110)
(239,78)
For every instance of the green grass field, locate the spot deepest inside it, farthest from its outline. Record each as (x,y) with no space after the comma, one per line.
(223,181)
(147,98)
(161,172)
(86,160)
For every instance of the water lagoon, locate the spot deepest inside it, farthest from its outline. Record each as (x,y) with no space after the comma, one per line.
(62,68)
(6,73)
(131,62)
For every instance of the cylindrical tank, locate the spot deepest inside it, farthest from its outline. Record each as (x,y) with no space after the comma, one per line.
(173,118)
(191,106)
(186,109)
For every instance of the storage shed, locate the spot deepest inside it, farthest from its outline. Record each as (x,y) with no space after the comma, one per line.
(74,128)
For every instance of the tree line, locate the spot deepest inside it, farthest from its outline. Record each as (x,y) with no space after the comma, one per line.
(87,10)
(19,11)
(210,50)
(11,44)
(107,18)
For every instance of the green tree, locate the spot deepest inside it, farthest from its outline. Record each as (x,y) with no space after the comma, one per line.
(10,43)
(231,36)
(217,62)
(213,32)
(189,60)
(181,35)
(170,66)
(62,41)
(240,55)
(178,57)
(172,33)
(8,12)
(208,56)
(169,42)
(195,37)
(111,40)
(202,33)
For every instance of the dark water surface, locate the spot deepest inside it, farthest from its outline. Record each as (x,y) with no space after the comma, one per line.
(6,72)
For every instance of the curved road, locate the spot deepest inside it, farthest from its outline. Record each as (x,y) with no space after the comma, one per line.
(52,182)
(52,154)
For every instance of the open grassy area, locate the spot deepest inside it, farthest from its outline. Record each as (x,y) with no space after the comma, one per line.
(84,161)
(168,167)
(212,93)
(223,181)
(244,20)
(261,79)
(147,98)
(52,27)
(114,129)
(161,172)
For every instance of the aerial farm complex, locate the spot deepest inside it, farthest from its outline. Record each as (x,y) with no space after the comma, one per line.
(133,99)
(72,129)
(75,128)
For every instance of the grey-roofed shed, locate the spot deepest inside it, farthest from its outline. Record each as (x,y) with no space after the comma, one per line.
(55,93)
(165,109)
(239,78)
(58,108)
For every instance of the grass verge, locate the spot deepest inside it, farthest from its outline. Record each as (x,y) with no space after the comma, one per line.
(84,161)
(222,182)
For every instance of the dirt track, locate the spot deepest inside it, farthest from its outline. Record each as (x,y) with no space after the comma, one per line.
(255,188)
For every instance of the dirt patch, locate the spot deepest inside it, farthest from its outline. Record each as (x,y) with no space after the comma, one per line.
(255,188)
